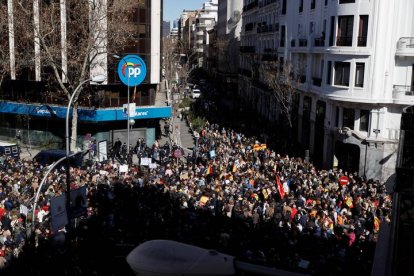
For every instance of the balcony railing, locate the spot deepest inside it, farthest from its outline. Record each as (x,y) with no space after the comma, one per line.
(303,42)
(362,41)
(403,90)
(247,49)
(406,44)
(266,2)
(265,29)
(319,42)
(344,41)
(251,5)
(316,81)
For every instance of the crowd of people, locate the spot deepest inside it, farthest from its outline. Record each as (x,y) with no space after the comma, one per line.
(234,194)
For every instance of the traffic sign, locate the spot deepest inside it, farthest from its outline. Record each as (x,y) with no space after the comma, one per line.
(344,180)
(132,70)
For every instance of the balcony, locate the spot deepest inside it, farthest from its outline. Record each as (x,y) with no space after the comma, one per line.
(344,41)
(264,3)
(265,29)
(316,81)
(403,94)
(249,27)
(247,49)
(319,42)
(250,6)
(303,42)
(405,47)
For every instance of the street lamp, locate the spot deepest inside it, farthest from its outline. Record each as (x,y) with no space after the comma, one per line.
(96,79)
(128,122)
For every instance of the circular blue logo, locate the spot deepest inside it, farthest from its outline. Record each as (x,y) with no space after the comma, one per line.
(132,70)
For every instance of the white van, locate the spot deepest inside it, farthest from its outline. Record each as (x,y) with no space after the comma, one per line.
(195,93)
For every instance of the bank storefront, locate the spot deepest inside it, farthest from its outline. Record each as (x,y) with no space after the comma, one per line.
(41,124)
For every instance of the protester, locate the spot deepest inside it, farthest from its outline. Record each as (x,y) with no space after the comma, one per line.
(236,195)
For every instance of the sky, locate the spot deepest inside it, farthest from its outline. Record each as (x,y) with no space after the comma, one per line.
(174,8)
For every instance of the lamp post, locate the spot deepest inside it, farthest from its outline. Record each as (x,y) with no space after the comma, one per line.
(97,79)
(128,123)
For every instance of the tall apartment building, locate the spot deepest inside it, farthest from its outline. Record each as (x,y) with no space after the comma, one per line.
(206,19)
(229,23)
(355,61)
(186,28)
(27,100)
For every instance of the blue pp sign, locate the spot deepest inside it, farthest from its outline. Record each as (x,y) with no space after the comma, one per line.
(132,70)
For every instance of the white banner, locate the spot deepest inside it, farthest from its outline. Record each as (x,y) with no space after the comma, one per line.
(23,210)
(103,150)
(123,168)
(145,161)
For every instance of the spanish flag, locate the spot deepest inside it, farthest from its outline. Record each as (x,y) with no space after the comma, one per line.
(234,169)
(280,187)
(209,170)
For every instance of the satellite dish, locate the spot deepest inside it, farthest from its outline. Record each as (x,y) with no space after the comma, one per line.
(234,19)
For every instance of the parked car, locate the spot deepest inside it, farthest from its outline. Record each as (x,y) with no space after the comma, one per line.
(195,93)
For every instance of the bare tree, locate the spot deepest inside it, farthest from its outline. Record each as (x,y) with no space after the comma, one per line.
(283,83)
(178,61)
(69,40)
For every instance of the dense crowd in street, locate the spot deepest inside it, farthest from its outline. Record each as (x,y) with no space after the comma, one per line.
(234,194)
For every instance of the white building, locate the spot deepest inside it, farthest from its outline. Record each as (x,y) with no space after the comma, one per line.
(355,59)
(206,19)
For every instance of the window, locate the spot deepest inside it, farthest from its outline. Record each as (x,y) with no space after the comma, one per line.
(282,36)
(328,77)
(363,30)
(348,118)
(331,32)
(284,6)
(359,74)
(337,116)
(363,120)
(300,5)
(326,2)
(345,29)
(346,1)
(313,4)
(342,73)
(311,27)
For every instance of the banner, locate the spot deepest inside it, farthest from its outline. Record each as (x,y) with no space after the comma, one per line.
(280,188)
(58,212)
(23,210)
(78,202)
(123,168)
(145,161)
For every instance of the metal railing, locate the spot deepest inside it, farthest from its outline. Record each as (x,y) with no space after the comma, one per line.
(405,42)
(402,90)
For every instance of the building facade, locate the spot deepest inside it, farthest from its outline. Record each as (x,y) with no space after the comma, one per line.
(206,19)
(228,27)
(30,102)
(354,59)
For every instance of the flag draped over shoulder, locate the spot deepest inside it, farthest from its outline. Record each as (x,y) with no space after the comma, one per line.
(209,170)
(280,187)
